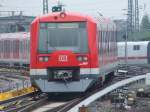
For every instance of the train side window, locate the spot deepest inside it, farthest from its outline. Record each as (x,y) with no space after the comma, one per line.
(136,47)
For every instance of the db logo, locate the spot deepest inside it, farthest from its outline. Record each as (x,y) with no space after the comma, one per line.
(63,58)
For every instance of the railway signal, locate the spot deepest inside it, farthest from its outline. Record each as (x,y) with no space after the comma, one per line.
(57,8)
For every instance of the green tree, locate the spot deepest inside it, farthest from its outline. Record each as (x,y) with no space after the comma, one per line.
(145,24)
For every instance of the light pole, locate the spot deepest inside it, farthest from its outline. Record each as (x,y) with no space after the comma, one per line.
(126,45)
(126,39)
(45,6)
(1,6)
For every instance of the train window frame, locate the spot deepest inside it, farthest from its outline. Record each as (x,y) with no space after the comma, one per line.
(136,47)
(81,25)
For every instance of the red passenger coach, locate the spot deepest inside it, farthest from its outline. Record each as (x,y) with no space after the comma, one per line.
(71,52)
(14,49)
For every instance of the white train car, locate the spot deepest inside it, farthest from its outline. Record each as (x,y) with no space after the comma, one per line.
(14,48)
(137,52)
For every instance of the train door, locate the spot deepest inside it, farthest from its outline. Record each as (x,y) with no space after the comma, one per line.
(0,49)
(148,52)
(16,49)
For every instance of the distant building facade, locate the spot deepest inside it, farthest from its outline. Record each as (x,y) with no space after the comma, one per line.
(18,22)
(15,23)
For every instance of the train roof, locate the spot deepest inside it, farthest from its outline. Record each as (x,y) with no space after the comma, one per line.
(100,21)
(56,17)
(18,35)
(134,43)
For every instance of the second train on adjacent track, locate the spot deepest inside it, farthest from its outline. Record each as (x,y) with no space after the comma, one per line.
(137,53)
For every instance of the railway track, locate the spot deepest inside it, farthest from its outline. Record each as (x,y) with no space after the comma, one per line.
(59,106)
(12,80)
(24,104)
(15,89)
(130,71)
(66,106)
(50,106)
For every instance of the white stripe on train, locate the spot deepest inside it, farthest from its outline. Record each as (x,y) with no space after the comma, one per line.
(82,71)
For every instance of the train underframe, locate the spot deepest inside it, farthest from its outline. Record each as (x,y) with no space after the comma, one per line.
(47,82)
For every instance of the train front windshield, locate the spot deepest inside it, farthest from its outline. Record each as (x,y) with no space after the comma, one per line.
(63,36)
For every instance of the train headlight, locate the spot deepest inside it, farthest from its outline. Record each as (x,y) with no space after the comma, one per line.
(62,14)
(45,59)
(82,58)
(79,58)
(85,58)
(41,59)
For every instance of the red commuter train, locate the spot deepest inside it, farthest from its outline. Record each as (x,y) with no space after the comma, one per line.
(71,52)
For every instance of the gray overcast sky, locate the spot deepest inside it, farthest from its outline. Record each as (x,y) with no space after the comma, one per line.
(109,8)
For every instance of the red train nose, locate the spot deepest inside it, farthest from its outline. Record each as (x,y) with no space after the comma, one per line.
(64,58)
